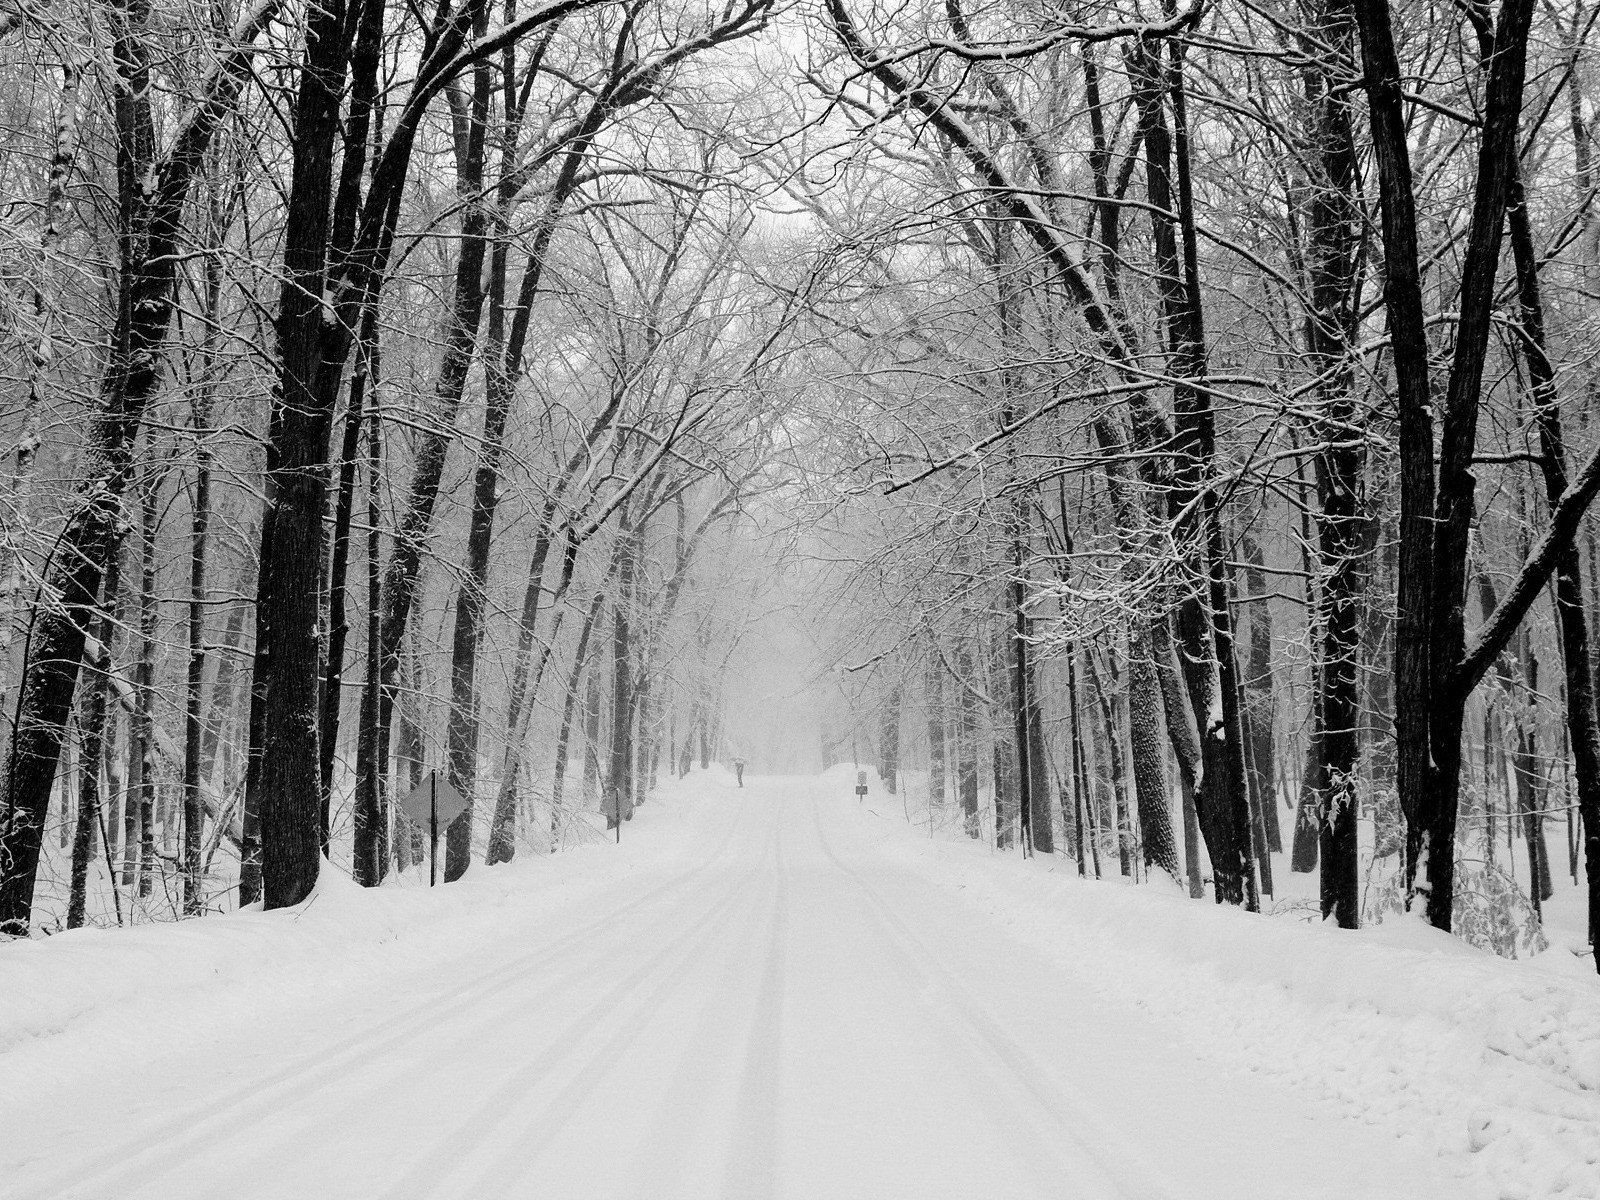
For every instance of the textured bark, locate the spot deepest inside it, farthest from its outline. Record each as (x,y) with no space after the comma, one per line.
(933,701)
(967,743)
(889,740)
(370,847)
(1260,710)
(193,801)
(194,808)
(1009,828)
(1111,738)
(593,710)
(569,706)
(141,732)
(91,751)
(1530,785)
(618,786)
(339,566)
(1343,549)
(409,838)
(1077,768)
(1305,850)
(1033,792)
(1149,762)
(1184,736)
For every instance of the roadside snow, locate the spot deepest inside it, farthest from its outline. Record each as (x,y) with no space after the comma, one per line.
(78,997)
(1497,1062)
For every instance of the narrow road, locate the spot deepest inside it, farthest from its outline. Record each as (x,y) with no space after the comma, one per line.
(790,1015)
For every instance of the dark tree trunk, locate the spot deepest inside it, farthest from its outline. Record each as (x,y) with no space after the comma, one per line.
(1149,762)
(193,802)
(1009,827)
(287,696)
(889,741)
(141,729)
(618,787)
(1077,767)
(1402,294)
(339,568)
(593,710)
(1033,800)
(1342,542)
(370,846)
(91,750)
(1104,707)
(409,838)
(569,705)
(933,702)
(967,742)
(1259,708)
(1530,785)
(1305,850)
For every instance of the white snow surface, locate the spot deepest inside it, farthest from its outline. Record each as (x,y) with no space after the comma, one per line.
(780,991)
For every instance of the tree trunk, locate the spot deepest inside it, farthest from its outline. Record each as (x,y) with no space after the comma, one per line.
(1149,762)
(369,844)
(1259,707)
(618,789)
(141,736)
(889,743)
(967,742)
(91,750)
(1101,701)
(569,706)
(933,707)
(284,785)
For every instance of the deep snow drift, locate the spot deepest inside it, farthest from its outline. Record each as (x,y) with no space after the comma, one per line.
(777,991)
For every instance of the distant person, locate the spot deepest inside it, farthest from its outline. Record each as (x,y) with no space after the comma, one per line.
(738,770)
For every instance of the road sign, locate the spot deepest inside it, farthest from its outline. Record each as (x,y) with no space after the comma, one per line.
(861,783)
(433,803)
(434,790)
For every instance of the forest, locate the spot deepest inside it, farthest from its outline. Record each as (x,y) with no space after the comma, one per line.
(1168,430)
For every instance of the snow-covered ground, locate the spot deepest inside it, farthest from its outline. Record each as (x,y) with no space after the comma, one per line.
(779,991)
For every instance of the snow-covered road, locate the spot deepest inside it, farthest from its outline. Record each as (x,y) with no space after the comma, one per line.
(780,1008)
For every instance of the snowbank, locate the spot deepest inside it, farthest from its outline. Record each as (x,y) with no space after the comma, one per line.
(134,991)
(1496,1061)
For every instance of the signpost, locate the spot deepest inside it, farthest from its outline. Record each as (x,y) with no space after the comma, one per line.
(861,784)
(433,802)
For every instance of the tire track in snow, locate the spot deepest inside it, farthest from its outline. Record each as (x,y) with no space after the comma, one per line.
(752,1167)
(537,1129)
(1114,1157)
(667,929)
(238,1109)
(488,1119)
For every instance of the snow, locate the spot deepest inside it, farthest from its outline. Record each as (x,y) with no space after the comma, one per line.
(780,991)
